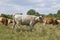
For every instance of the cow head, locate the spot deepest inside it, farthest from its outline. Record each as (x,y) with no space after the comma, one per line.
(39,19)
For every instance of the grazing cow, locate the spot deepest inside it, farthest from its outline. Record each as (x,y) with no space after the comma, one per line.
(26,20)
(4,20)
(50,21)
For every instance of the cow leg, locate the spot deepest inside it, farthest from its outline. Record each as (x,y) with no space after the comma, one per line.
(13,27)
(19,26)
(44,23)
(31,25)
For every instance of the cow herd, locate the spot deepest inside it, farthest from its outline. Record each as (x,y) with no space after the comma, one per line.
(29,20)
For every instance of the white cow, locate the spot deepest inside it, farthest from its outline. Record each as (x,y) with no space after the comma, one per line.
(26,20)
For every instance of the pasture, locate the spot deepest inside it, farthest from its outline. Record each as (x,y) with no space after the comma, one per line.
(48,32)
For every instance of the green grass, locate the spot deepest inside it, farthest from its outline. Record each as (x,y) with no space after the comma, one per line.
(48,32)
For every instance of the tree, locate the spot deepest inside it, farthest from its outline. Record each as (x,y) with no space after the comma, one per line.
(55,15)
(50,15)
(5,15)
(37,14)
(32,12)
(58,12)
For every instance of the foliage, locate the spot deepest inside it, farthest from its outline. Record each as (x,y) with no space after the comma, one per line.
(32,12)
(5,15)
(54,15)
(50,15)
(58,12)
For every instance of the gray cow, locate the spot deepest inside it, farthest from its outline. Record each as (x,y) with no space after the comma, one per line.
(26,20)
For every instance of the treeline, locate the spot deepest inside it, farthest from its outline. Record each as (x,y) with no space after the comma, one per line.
(34,12)
(55,15)
(6,15)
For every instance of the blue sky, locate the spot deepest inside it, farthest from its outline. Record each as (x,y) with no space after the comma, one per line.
(22,6)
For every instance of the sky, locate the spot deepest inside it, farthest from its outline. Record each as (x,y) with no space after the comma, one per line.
(22,6)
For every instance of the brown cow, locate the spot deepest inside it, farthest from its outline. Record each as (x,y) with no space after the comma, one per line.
(4,20)
(50,21)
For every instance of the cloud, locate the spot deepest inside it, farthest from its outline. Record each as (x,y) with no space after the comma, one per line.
(22,6)
(5,0)
(56,6)
(40,5)
(10,8)
(51,0)
(34,1)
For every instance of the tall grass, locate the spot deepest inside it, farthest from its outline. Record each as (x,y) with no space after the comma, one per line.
(48,32)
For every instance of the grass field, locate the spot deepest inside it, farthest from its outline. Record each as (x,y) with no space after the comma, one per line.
(48,32)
